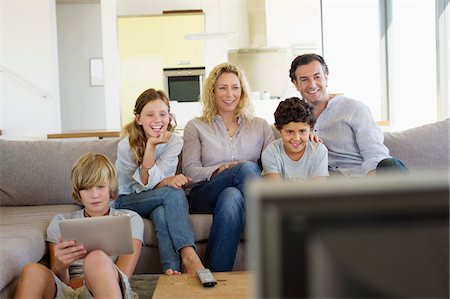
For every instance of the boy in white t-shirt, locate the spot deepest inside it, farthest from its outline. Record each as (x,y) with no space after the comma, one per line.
(75,273)
(294,156)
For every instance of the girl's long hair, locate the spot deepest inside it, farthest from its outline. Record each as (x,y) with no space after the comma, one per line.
(135,132)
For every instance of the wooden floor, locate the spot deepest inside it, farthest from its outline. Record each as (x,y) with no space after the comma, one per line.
(144,285)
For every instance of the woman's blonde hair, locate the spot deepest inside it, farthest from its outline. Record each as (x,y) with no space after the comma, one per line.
(244,108)
(90,170)
(135,132)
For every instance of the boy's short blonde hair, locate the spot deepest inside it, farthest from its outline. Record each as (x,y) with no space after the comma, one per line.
(90,170)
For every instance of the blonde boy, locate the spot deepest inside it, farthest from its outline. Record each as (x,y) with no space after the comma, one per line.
(73,272)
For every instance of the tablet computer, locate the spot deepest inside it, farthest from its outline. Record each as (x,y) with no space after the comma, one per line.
(112,234)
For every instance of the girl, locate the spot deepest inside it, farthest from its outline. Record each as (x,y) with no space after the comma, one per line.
(146,164)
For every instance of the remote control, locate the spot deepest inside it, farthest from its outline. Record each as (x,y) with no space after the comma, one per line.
(206,278)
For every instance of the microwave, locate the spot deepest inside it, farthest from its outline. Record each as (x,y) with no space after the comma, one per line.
(183,84)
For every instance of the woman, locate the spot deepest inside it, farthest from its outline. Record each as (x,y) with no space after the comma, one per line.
(221,150)
(146,163)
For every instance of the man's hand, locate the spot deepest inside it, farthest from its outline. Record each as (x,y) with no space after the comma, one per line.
(315,138)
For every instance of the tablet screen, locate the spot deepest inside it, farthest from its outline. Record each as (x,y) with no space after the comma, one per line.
(111,234)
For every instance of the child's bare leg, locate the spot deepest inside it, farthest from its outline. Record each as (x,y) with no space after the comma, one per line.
(101,275)
(36,281)
(190,259)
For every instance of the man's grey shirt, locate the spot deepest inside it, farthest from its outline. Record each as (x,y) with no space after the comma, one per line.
(353,139)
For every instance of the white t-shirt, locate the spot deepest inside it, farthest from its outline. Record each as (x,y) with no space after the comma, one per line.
(313,163)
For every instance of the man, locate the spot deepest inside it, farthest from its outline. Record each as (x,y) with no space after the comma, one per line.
(346,126)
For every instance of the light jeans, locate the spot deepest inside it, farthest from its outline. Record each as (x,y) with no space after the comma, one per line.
(223,195)
(167,207)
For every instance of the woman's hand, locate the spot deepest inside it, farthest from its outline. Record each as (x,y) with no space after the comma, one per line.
(315,138)
(226,166)
(176,181)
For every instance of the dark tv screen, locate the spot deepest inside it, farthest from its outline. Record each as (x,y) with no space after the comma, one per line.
(184,88)
(380,238)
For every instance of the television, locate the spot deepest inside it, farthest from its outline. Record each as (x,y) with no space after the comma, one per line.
(378,237)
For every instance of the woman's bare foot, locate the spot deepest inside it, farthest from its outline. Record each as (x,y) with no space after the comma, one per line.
(190,260)
(171,272)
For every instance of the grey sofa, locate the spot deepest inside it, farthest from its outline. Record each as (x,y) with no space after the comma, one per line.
(35,185)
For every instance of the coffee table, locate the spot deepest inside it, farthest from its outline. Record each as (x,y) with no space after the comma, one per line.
(229,285)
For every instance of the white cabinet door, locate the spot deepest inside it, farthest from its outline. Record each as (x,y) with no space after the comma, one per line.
(179,52)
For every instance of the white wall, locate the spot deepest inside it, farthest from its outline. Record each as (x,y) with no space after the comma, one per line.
(111,69)
(82,105)
(292,27)
(293,23)
(29,64)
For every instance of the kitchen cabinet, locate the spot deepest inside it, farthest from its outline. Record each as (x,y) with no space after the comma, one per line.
(177,51)
(147,45)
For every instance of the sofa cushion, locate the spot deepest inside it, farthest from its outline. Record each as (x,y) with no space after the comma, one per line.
(422,148)
(49,160)
(22,237)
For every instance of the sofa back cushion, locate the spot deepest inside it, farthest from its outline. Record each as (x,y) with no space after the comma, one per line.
(422,148)
(38,172)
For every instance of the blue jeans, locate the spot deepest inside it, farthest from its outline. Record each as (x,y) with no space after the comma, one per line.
(168,209)
(392,165)
(223,196)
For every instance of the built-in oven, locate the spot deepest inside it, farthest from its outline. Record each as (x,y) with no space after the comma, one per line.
(183,84)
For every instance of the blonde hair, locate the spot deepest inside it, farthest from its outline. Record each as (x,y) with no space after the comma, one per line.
(244,108)
(135,132)
(90,170)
